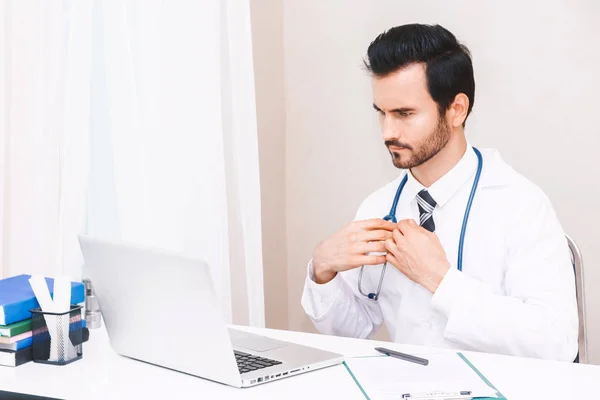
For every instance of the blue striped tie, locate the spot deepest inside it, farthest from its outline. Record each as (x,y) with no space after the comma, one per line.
(426,206)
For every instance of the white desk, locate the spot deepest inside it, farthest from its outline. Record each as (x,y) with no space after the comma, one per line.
(102,374)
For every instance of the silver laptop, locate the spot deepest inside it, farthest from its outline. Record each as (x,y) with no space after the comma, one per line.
(162,308)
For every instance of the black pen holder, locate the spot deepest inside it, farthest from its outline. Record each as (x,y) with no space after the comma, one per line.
(57,337)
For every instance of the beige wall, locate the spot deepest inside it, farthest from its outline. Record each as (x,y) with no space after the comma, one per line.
(267,41)
(536,100)
(536,69)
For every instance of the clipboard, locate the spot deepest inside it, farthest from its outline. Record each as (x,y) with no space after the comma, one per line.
(356,377)
(483,378)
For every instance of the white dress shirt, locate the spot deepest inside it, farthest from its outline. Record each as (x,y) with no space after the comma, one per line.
(515,294)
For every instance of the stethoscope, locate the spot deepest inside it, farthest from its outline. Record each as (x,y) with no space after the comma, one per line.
(392,217)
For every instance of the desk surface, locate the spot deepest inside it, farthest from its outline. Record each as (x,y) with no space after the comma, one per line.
(102,374)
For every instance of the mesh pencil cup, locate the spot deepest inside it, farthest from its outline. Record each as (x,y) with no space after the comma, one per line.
(56,337)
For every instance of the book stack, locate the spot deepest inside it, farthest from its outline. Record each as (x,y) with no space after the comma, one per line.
(16,301)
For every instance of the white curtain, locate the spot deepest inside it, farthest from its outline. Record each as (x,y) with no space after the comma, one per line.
(44,126)
(167,154)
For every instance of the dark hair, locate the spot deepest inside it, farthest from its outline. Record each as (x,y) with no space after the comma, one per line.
(449,69)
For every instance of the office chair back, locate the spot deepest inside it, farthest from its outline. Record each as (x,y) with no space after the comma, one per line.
(579,286)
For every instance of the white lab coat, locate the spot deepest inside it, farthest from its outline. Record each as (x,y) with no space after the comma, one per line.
(515,294)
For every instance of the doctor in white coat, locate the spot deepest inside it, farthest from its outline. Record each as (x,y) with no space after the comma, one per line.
(471,255)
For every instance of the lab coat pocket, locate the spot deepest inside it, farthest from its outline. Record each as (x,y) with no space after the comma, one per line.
(415,316)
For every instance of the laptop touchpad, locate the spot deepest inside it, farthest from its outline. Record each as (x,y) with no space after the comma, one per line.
(252,342)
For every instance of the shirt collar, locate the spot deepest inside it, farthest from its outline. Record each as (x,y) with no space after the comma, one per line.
(445,187)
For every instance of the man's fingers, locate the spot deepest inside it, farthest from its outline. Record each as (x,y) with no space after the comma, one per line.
(377,223)
(392,260)
(371,247)
(390,246)
(406,225)
(397,236)
(375,235)
(370,260)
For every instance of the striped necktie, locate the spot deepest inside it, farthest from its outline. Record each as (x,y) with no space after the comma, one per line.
(426,206)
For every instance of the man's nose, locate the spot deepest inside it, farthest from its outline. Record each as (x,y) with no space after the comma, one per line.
(390,130)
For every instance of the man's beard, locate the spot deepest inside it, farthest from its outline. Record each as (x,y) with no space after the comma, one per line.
(425,151)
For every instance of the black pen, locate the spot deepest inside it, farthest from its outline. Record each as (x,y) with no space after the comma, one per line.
(402,356)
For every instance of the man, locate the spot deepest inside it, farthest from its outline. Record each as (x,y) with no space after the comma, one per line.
(512,293)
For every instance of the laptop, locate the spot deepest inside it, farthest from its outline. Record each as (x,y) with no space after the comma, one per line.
(161,308)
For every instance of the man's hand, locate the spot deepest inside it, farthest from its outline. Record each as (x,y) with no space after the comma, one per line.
(418,254)
(348,248)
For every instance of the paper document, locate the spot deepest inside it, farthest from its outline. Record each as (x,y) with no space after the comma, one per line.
(383,378)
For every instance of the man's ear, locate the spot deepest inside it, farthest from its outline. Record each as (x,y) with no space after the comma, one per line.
(457,112)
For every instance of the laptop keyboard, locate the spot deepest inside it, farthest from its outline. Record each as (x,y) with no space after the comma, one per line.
(248,362)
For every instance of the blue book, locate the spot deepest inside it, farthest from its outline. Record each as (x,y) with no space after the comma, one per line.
(17,297)
(16,346)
